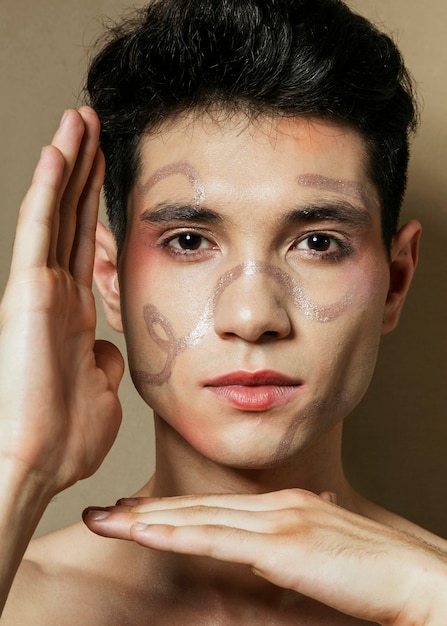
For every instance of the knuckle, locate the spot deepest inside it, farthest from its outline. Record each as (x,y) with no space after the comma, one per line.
(299,498)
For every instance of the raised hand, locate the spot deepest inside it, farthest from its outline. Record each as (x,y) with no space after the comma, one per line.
(298,541)
(58,388)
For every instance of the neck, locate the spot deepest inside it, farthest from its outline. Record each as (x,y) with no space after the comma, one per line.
(181,470)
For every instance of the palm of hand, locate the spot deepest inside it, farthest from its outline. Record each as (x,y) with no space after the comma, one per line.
(58,387)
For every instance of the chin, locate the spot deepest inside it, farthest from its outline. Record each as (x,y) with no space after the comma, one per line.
(252,457)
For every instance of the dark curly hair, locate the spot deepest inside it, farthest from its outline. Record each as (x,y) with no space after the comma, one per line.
(275,57)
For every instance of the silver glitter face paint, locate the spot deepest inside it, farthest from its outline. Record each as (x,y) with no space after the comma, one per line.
(311,310)
(173,346)
(346,187)
(178,167)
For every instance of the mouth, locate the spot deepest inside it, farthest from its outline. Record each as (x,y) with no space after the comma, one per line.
(254,391)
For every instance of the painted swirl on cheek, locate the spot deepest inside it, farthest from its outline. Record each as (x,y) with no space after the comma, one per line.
(173,346)
(154,319)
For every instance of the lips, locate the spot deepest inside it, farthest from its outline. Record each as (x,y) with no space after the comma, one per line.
(254,391)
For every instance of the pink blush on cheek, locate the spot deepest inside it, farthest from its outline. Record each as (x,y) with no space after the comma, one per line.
(367,284)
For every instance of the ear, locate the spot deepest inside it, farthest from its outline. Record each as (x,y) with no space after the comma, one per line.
(106,276)
(404,257)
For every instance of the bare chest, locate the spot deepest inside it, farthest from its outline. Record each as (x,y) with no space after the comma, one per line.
(91,601)
(119,609)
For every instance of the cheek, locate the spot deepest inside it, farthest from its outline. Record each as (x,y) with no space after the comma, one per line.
(326,292)
(324,289)
(362,289)
(163,315)
(358,332)
(348,343)
(147,278)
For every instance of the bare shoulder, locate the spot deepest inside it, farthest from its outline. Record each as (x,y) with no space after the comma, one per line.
(379,514)
(71,577)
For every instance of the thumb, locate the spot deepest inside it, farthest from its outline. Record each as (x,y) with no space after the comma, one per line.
(110,360)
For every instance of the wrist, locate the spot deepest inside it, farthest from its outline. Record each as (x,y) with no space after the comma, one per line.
(426,603)
(22,486)
(435,596)
(23,499)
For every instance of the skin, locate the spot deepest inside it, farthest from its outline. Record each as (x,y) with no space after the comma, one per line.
(162,333)
(315,561)
(44,447)
(251,181)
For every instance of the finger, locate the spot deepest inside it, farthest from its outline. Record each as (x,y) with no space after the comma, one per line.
(80,159)
(35,223)
(67,139)
(83,246)
(284,565)
(117,522)
(285,498)
(329,496)
(221,543)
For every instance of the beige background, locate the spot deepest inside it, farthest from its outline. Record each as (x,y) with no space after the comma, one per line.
(395,443)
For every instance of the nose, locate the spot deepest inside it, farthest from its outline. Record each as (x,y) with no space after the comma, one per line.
(252,305)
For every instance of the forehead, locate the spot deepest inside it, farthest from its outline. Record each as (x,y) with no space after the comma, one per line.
(234,156)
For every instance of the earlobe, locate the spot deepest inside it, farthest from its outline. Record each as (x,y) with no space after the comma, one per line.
(106,277)
(404,257)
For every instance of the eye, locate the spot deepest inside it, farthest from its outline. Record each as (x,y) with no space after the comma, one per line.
(323,246)
(187,243)
(318,242)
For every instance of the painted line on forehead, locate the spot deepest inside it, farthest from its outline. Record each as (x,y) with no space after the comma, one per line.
(346,187)
(178,167)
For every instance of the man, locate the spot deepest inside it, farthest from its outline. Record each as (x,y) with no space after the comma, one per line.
(256,162)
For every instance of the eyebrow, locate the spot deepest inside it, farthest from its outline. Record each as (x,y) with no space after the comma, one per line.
(338,211)
(165,212)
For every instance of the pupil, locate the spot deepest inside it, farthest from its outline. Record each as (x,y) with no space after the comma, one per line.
(189,241)
(320,242)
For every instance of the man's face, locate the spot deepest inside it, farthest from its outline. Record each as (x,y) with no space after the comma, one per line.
(253,280)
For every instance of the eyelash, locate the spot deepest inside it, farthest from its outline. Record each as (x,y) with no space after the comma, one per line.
(343,247)
(167,244)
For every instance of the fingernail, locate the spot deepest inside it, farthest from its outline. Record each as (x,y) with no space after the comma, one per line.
(127,502)
(96,515)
